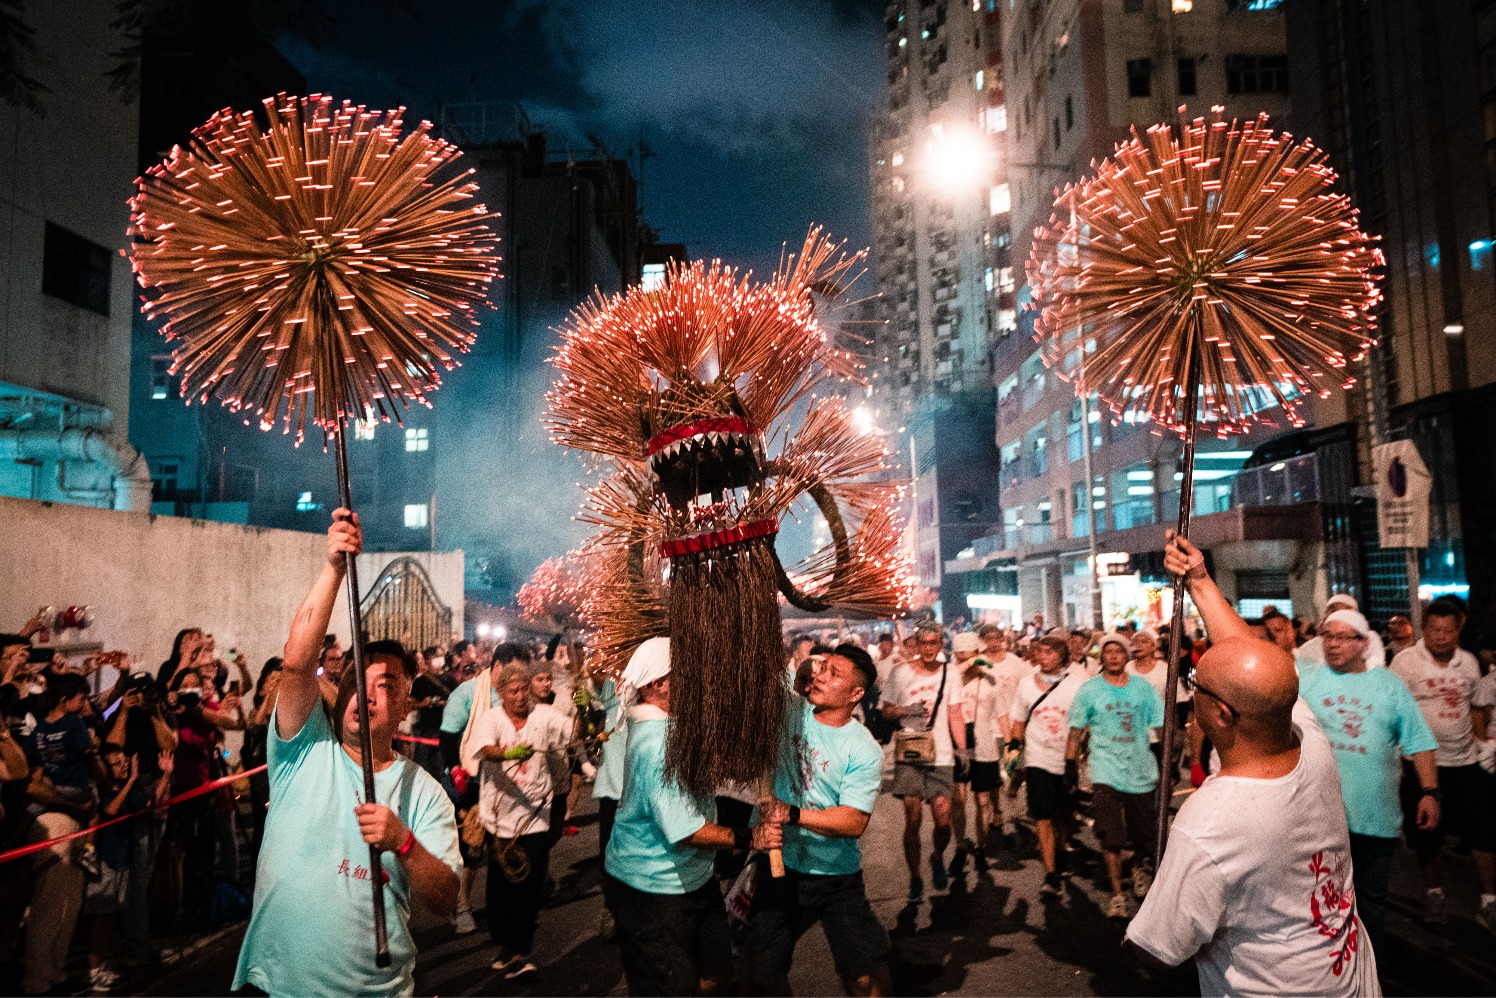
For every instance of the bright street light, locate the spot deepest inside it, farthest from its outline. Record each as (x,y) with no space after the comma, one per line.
(958,160)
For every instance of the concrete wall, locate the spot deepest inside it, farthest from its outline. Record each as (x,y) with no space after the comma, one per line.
(146,577)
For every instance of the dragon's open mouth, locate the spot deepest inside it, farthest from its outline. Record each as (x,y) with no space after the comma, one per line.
(706,458)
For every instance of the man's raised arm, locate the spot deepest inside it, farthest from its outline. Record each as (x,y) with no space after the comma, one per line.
(1221,622)
(299,693)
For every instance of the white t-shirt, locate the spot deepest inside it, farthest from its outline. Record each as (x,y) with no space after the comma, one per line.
(1049,723)
(514,798)
(980,698)
(1158,676)
(908,686)
(1258,874)
(1007,672)
(885,664)
(557,725)
(1444,694)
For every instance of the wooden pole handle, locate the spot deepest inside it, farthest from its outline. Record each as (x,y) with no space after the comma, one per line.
(765,797)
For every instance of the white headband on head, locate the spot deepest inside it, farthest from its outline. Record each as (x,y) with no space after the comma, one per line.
(1350,618)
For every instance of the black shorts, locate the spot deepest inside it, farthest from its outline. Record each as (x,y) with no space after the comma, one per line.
(1467,809)
(670,942)
(1048,800)
(984,777)
(785,908)
(1123,819)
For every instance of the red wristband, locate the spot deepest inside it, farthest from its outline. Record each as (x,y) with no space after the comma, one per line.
(407,845)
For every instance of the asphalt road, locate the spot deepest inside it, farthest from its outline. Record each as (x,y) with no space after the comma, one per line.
(990,934)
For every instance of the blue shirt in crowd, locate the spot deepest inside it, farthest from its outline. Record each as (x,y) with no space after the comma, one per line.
(1371,720)
(312,928)
(648,850)
(820,767)
(460,705)
(1120,718)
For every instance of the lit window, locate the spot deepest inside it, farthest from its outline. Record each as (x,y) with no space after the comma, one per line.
(1183,6)
(160,378)
(981,78)
(989,279)
(306,504)
(653,277)
(363,429)
(416,439)
(416,515)
(1007,319)
(1000,199)
(997,119)
(898,159)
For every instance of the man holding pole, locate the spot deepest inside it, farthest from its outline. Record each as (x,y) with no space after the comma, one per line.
(671,921)
(1256,883)
(312,883)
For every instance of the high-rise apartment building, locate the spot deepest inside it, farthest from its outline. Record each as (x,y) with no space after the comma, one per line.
(1077,75)
(1403,96)
(942,259)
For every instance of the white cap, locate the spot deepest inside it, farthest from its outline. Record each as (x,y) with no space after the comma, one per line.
(1114,638)
(650,661)
(1342,599)
(1351,619)
(966,641)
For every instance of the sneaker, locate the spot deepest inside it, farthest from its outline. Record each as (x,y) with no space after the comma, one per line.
(520,968)
(939,879)
(1119,908)
(102,979)
(916,888)
(88,859)
(1053,885)
(503,963)
(463,922)
(1486,914)
(1434,910)
(1142,880)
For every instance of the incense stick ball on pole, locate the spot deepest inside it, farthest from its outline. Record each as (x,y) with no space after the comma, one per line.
(1222,278)
(319,264)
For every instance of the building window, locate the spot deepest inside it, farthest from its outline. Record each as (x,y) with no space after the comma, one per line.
(652,277)
(164,481)
(1257,74)
(363,429)
(997,119)
(1187,77)
(306,504)
(1069,112)
(416,515)
(1132,6)
(1253,4)
(1183,6)
(1140,77)
(160,378)
(1000,199)
(75,270)
(416,440)
(980,79)
(1057,133)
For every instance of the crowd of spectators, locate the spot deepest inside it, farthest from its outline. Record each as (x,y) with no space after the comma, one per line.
(88,739)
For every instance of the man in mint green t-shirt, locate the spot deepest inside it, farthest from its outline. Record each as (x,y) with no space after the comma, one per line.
(827,780)
(670,918)
(312,928)
(1120,709)
(1371,719)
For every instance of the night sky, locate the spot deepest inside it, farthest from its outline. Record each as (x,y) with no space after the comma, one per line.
(756,112)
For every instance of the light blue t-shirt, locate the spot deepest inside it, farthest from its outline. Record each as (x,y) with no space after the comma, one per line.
(1371,720)
(460,705)
(820,767)
(647,849)
(1120,718)
(609,781)
(312,928)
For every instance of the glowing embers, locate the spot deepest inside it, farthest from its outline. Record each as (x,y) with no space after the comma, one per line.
(712,457)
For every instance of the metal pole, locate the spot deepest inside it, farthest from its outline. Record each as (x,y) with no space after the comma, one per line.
(365,743)
(1415,582)
(1097,612)
(1176,622)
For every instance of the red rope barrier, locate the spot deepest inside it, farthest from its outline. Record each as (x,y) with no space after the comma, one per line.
(26,850)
